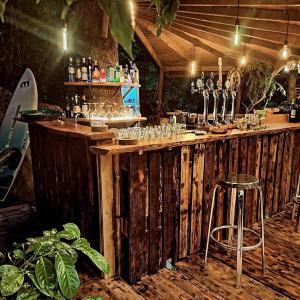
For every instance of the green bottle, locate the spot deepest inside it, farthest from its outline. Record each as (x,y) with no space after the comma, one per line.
(117,73)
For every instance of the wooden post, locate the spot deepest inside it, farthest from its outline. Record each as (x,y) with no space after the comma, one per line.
(105,181)
(160,91)
(104,26)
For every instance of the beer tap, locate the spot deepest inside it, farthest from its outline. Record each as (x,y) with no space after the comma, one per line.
(224,106)
(205,108)
(216,102)
(232,112)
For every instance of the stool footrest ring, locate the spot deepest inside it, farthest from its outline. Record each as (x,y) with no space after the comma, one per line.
(246,248)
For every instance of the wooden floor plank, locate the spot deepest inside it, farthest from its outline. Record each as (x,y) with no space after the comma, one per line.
(187,280)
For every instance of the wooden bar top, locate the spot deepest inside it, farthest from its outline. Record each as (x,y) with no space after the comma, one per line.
(190,139)
(68,128)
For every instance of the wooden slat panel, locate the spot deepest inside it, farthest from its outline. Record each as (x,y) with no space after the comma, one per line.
(296,164)
(155,207)
(222,170)
(284,171)
(258,154)
(209,181)
(171,197)
(289,160)
(232,168)
(279,167)
(138,243)
(185,182)
(243,155)
(250,205)
(264,167)
(271,175)
(197,198)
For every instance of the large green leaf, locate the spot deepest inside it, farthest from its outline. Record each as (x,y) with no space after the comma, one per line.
(2,9)
(48,293)
(67,275)
(98,259)
(119,22)
(11,280)
(27,293)
(45,273)
(72,229)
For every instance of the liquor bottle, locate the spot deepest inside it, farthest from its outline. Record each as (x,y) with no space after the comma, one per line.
(76,107)
(78,70)
(122,74)
(298,109)
(293,112)
(103,75)
(84,71)
(90,70)
(131,69)
(84,106)
(72,106)
(110,73)
(71,70)
(68,108)
(127,76)
(117,73)
(96,72)
(136,77)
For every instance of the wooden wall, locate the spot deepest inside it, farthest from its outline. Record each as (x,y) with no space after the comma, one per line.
(165,196)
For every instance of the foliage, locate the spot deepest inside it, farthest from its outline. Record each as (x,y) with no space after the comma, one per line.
(44,267)
(166,12)
(259,80)
(120,18)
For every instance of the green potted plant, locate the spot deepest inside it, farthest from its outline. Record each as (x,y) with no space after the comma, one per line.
(44,267)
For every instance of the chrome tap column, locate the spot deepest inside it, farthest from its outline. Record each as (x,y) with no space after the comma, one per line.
(224,106)
(205,109)
(216,102)
(232,112)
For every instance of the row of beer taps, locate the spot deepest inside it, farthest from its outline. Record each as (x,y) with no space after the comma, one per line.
(208,88)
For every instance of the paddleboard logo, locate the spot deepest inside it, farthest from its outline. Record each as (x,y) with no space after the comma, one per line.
(24,84)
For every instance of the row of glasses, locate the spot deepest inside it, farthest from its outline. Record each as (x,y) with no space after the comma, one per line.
(103,111)
(151,133)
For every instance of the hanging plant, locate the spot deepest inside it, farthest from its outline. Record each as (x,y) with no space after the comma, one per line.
(119,17)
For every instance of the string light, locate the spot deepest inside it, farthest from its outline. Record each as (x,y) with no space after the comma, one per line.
(65,37)
(285,52)
(286,68)
(132,13)
(237,37)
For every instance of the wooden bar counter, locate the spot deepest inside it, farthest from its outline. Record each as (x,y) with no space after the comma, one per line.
(147,203)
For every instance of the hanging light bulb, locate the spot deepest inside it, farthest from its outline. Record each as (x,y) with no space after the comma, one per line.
(65,37)
(237,35)
(244,58)
(286,68)
(193,68)
(285,52)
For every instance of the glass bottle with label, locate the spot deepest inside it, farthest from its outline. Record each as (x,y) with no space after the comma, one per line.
(96,72)
(117,73)
(122,74)
(293,112)
(78,70)
(84,106)
(136,78)
(103,75)
(110,73)
(71,70)
(90,70)
(76,107)
(84,71)
(72,106)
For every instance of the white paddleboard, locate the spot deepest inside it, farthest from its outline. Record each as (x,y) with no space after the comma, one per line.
(14,135)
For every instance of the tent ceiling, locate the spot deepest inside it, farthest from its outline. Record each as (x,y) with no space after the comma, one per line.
(208,26)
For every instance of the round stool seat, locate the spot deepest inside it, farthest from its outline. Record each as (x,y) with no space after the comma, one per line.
(239,181)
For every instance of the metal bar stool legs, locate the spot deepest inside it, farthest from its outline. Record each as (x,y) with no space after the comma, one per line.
(238,183)
(240,225)
(296,201)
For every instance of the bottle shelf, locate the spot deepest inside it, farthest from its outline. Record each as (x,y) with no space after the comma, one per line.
(112,84)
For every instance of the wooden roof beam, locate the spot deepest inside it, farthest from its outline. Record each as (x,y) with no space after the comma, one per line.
(148,46)
(273,45)
(221,41)
(277,38)
(243,3)
(167,40)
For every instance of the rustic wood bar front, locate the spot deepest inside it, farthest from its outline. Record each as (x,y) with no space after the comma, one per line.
(145,204)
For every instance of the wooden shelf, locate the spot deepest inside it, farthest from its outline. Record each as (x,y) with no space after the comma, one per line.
(112,84)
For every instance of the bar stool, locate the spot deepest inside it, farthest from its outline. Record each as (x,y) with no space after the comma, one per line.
(296,201)
(238,183)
